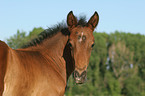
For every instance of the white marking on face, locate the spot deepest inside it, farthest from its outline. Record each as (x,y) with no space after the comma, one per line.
(82,34)
(81,39)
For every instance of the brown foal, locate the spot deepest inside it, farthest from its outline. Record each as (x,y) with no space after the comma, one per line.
(43,67)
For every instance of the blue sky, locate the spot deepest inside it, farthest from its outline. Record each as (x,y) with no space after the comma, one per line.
(121,15)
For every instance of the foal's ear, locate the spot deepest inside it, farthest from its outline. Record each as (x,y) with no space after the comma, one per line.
(71,20)
(92,23)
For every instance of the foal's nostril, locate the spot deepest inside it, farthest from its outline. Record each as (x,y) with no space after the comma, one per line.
(83,74)
(76,74)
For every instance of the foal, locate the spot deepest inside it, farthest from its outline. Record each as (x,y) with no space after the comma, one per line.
(43,67)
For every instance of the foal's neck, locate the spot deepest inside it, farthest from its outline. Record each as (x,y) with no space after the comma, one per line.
(57,46)
(54,46)
(51,48)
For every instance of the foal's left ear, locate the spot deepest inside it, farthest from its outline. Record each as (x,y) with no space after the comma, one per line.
(71,20)
(93,22)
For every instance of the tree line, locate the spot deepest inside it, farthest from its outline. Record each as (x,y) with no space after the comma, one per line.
(116,68)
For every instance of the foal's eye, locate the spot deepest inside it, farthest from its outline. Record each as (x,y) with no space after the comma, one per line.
(93,45)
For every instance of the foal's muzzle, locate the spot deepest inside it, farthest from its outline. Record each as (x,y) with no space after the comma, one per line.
(80,78)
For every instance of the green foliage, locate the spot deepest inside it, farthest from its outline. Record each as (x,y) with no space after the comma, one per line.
(121,74)
(34,33)
(112,85)
(133,86)
(20,38)
(17,40)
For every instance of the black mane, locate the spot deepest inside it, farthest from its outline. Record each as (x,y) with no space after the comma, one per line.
(82,21)
(51,31)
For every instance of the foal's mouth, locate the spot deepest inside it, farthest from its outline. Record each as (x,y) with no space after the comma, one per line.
(80,78)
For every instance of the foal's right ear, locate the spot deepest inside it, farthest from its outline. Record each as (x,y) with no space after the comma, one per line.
(71,20)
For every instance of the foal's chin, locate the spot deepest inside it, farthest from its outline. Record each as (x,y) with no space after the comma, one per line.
(80,80)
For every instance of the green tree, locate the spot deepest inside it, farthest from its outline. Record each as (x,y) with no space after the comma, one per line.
(17,40)
(34,33)
(131,76)
(20,38)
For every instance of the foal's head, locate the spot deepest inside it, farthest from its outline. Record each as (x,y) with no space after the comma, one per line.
(81,41)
